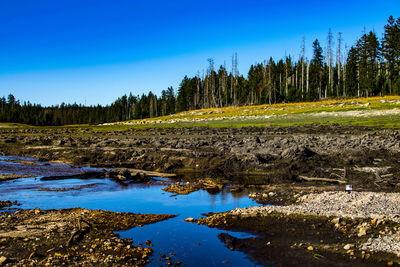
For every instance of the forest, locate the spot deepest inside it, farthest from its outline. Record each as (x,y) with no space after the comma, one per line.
(370,67)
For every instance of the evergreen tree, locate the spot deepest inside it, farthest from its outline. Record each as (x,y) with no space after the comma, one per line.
(352,83)
(316,71)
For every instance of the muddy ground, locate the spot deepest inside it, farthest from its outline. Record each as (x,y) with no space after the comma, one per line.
(72,237)
(282,163)
(298,240)
(365,157)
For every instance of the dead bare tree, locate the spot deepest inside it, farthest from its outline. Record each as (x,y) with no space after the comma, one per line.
(303,51)
(286,75)
(308,75)
(236,73)
(329,51)
(211,84)
(339,66)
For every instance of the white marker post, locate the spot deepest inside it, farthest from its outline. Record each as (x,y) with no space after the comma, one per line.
(349,188)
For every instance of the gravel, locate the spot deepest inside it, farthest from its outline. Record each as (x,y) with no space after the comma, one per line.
(341,204)
(374,205)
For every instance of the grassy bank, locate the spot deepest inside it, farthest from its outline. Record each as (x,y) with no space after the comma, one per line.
(380,112)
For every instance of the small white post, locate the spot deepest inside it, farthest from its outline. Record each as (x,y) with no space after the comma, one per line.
(349,188)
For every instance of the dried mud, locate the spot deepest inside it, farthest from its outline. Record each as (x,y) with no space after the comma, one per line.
(72,237)
(298,240)
(282,163)
(361,156)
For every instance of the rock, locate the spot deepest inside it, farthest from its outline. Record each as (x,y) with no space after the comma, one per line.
(190,219)
(298,152)
(37,211)
(310,248)
(335,220)
(362,232)
(348,246)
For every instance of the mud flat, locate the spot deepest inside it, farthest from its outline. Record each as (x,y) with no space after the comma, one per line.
(294,165)
(321,228)
(311,154)
(72,237)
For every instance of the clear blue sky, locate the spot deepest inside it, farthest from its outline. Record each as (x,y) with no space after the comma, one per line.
(93,51)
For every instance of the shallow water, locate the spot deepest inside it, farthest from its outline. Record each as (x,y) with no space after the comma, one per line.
(194,245)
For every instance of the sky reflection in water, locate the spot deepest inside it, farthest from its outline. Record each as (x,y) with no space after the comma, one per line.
(193,244)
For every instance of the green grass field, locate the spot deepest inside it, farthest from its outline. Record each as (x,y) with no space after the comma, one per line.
(380,112)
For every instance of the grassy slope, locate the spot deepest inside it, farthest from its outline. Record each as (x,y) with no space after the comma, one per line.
(382,112)
(377,111)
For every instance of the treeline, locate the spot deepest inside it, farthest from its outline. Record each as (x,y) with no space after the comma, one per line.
(370,67)
(124,108)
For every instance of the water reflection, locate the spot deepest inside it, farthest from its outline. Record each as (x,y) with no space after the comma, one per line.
(195,245)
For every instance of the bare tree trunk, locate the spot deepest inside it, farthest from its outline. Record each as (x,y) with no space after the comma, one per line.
(151,107)
(330,59)
(269,85)
(308,74)
(339,61)
(236,77)
(264,75)
(358,81)
(231,92)
(303,49)
(286,76)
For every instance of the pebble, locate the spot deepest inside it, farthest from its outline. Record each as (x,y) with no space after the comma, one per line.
(190,219)
(348,246)
(375,206)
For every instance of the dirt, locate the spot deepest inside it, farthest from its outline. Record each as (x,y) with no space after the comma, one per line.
(5,177)
(281,163)
(8,204)
(296,240)
(186,188)
(250,155)
(72,237)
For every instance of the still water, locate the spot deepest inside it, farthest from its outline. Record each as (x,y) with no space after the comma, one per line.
(194,245)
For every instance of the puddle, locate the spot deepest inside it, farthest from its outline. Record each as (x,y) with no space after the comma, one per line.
(194,245)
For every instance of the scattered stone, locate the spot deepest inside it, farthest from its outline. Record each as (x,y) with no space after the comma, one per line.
(62,242)
(362,232)
(190,219)
(348,246)
(2,259)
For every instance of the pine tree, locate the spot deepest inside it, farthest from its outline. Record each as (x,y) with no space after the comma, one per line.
(316,69)
(391,50)
(352,72)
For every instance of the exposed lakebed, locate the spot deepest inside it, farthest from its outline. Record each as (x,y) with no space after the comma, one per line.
(189,243)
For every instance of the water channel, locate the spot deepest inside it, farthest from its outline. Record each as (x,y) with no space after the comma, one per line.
(194,245)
